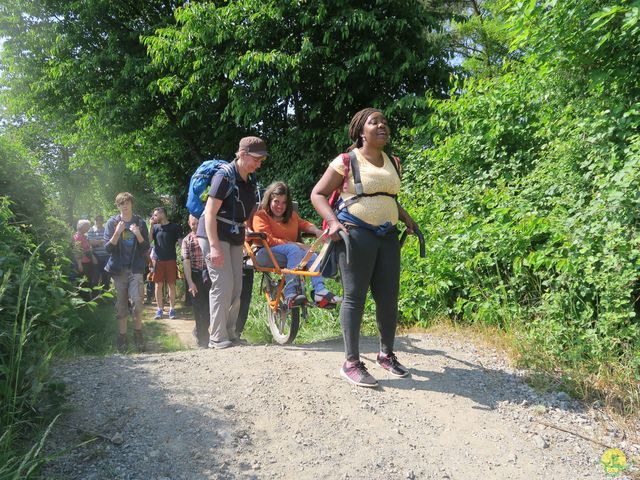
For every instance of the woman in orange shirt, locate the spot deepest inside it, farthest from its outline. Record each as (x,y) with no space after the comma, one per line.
(282,225)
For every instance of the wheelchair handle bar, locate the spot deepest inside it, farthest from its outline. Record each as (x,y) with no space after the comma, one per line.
(347,245)
(418,234)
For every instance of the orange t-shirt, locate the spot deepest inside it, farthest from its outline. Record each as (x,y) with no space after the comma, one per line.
(279,233)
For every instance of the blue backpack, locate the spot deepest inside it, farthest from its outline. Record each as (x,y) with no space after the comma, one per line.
(201,180)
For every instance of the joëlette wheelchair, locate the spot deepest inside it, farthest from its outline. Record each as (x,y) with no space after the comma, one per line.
(284,321)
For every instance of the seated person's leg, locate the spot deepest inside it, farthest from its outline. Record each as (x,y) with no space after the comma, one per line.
(321,295)
(293,254)
(292,287)
(263,259)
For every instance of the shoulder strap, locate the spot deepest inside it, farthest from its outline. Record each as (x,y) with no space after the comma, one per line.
(350,162)
(228,172)
(396,165)
(357,181)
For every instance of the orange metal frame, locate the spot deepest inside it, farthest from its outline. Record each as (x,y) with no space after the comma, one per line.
(299,270)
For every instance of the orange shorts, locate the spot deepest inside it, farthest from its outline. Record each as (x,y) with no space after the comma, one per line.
(166,271)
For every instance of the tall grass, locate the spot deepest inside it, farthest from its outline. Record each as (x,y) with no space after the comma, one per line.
(38,308)
(20,383)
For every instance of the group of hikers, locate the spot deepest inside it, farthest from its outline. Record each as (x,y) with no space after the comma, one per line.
(212,252)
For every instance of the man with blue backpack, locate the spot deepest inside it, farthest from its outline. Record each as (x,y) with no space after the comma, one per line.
(229,201)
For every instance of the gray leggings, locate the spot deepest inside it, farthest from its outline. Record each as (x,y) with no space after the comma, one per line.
(375,263)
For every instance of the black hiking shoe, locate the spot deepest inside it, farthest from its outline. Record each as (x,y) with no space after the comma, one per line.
(122,344)
(138,340)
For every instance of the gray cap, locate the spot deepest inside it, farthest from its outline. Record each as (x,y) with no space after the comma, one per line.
(254,146)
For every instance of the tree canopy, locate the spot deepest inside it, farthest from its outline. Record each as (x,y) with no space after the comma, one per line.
(163,86)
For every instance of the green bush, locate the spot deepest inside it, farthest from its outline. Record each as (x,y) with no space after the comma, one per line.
(526,185)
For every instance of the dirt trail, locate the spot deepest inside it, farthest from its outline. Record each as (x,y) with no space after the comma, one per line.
(182,326)
(262,412)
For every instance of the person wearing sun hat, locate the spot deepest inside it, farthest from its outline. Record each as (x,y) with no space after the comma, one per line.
(221,233)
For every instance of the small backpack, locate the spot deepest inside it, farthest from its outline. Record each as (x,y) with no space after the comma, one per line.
(201,180)
(350,162)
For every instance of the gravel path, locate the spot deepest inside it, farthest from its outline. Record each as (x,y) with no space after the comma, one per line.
(263,412)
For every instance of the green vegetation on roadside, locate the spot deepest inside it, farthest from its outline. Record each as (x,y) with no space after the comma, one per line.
(36,314)
(528,195)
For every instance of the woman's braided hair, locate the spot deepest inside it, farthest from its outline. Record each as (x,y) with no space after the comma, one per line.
(357,125)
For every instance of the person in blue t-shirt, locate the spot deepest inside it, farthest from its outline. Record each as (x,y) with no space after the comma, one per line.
(127,242)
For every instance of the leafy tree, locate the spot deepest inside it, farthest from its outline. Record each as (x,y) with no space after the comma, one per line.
(78,71)
(295,72)
(292,72)
(478,37)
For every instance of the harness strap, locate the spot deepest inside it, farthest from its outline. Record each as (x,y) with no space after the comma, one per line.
(235,226)
(229,172)
(350,201)
(350,161)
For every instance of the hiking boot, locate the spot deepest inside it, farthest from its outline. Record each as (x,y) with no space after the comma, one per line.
(220,345)
(158,315)
(326,300)
(239,342)
(296,300)
(391,364)
(199,342)
(122,344)
(172,314)
(138,340)
(356,373)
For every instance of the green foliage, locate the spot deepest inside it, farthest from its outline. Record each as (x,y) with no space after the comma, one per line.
(37,311)
(160,87)
(529,192)
(478,36)
(75,79)
(294,72)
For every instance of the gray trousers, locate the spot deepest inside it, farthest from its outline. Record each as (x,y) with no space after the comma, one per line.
(375,265)
(226,288)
